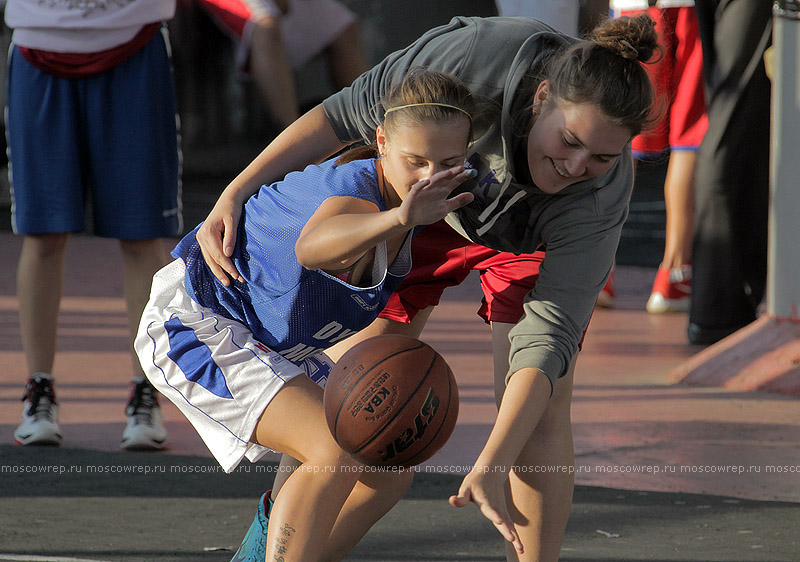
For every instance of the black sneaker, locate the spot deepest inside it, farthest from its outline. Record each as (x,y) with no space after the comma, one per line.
(40,415)
(703,335)
(145,430)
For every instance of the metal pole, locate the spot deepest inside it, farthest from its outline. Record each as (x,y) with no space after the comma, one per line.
(783,271)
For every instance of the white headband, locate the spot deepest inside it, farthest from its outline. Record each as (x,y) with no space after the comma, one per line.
(388,111)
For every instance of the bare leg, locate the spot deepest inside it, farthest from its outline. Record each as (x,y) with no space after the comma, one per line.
(375,493)
(269,66)
(679,199)
(346,58)
(141,260)
(305,511)
(540,502)
(379,327)
(40,278)
(373,496)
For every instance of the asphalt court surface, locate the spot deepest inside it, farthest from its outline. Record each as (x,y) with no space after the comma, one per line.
(66,505)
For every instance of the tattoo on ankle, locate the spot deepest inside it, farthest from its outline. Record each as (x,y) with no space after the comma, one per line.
(282,542)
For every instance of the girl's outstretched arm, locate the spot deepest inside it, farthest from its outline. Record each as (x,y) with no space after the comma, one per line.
(344,228)
(525,399)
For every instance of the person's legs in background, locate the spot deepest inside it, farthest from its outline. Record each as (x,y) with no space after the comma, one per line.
(39,289)
(676,73)
(136,199)
(560,14)
(277,40)
(40,274)
(39,127)
(688,122)
(141,259)
(732,180)
(271,71)
(679,196)
(346,58)
(314,27)
(671,290)
(135,185)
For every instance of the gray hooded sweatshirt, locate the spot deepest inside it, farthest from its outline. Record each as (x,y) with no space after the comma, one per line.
(579,227)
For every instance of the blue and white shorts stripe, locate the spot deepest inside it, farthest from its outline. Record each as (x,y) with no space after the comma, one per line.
(211,367)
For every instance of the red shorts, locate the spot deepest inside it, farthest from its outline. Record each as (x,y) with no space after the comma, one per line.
(234,14)
(678,80)
(307,30)
(443,258)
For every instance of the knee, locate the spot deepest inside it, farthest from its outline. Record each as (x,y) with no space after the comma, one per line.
(143,251)
(323,451)
(399,483)
(43,246)
(267,31)
(403,482)
(322,454)
(350,35)
(389,479)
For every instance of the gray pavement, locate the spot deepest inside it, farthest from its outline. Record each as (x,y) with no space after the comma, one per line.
(136,507)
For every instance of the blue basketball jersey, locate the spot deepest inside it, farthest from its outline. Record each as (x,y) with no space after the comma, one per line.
(293,310)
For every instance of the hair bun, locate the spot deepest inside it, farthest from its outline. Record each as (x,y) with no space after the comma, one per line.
(631,37)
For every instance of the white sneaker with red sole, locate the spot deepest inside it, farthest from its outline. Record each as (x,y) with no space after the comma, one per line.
(672,290)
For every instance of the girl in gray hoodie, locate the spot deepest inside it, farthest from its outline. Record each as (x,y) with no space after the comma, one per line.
(555,175)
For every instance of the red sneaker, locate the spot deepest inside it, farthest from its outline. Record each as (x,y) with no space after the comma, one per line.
(607,294)
(672,290)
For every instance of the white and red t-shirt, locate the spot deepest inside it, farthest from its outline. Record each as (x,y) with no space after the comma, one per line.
(78,38)
(617,6)
(82,26)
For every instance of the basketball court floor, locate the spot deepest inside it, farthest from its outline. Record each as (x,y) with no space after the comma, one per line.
(713,472)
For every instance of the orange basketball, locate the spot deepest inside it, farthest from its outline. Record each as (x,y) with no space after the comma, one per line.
(391,401)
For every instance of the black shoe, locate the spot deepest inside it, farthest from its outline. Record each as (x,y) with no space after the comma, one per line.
(40,415)
(144,430)
(703,335)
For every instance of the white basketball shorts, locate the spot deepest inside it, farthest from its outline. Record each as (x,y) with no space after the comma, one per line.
(211,367)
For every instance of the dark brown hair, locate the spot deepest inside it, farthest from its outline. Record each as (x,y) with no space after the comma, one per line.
(606,70)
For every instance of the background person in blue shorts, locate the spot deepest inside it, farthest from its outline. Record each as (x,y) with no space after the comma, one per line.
(91,117)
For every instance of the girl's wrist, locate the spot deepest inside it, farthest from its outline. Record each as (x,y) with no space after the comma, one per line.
(491,463)
(234,196)
(396,224)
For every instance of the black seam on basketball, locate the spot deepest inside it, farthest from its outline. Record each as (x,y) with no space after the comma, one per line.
(400,409)
(444,419)
(344,398)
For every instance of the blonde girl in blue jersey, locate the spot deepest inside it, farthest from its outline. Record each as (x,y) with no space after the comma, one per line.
(320,253)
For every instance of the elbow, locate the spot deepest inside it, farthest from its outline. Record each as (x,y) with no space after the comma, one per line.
(304,255)
(311,257)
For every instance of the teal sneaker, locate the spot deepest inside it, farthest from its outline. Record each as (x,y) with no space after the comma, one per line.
(254,545)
